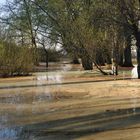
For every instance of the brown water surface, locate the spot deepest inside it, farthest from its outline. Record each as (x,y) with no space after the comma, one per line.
(70,105)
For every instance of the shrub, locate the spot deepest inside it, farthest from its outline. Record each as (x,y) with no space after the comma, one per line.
(15,60)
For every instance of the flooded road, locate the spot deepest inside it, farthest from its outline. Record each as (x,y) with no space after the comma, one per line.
(69,105)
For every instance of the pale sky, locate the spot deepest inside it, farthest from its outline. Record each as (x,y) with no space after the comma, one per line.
(2,1)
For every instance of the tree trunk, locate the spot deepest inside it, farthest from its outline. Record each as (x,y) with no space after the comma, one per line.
(116,72)
(99,68)
(99,58)
(108,58)
(137,35)
(121,59)
(127,54)
(47,59)
(116,57)
(75,60)
(87,63)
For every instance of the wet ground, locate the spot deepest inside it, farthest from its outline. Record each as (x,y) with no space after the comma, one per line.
(70,105)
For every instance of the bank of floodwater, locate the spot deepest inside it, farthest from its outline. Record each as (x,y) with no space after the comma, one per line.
(69,105)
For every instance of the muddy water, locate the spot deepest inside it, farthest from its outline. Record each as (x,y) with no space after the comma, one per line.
(41,109)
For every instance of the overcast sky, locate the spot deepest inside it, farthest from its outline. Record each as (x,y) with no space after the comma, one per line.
(2,1)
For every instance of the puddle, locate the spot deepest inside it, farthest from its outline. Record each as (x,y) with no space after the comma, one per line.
(84,107)
(39,94)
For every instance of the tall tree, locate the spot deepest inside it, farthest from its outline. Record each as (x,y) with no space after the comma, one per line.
(21,19)
(125,13)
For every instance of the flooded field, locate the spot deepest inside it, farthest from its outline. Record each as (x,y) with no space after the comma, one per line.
(70,105)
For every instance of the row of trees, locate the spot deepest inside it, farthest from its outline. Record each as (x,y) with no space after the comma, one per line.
(94,30)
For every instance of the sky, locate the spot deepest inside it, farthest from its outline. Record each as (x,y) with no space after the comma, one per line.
(2,1)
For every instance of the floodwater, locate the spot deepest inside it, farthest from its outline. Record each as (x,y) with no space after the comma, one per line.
(69,105)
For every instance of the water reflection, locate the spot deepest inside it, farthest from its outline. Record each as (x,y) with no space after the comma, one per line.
(49,77)
(42,97)
(10,133)
(35,96)
(63,66)
(67,67)
(76,127)
(31,103)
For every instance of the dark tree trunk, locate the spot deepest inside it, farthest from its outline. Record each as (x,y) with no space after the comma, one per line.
(116,55)
(75,60)
(99,58)
(127,54)
(138,61)
(116,72)
(87,63)
(121,59)
(107,55)
(137,35)
(47,64)
(108,58)
(47,58)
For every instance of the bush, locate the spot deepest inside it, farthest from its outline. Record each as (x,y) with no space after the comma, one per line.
(15,60)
